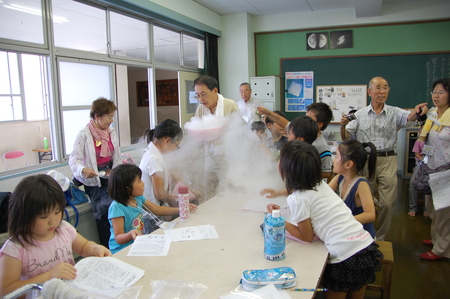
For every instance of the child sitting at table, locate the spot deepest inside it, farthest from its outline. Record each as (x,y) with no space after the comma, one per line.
(41,244)
(351,157)
(316,209)
(129,206)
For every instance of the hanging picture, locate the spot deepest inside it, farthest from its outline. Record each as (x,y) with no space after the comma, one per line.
(317,41)
(167,92)
(341,39)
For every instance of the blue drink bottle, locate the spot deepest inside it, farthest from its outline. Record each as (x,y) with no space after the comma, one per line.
(274,235)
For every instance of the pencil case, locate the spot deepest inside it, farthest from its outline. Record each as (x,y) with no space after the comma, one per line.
(282,277)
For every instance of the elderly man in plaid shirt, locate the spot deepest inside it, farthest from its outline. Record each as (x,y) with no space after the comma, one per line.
(379,124)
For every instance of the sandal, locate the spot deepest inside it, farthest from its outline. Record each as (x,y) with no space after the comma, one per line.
(428,242)
(430,256)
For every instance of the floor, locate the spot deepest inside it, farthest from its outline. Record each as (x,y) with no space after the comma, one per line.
(412,278)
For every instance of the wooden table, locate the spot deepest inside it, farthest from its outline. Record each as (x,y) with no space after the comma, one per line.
(219,263)
(44,154)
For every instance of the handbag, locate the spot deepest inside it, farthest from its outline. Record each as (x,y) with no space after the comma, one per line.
(74,196)
(422,177)
(282,278)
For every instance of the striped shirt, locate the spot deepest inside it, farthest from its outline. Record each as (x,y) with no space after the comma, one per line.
(368,126)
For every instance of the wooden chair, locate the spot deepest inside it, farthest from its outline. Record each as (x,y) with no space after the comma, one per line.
(386,271)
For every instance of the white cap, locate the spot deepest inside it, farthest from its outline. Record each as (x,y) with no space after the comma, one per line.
(275,213)
(61,179)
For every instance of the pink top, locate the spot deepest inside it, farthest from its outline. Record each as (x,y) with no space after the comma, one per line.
(418,147)
(45,255)
(103,160)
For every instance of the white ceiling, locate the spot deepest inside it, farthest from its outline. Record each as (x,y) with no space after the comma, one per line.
(363,8)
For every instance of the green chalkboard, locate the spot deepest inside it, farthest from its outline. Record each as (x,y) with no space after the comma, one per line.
(410,76)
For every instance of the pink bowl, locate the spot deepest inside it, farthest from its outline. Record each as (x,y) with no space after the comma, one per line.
(206,135)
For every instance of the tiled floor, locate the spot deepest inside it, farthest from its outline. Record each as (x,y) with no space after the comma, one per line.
(413,278)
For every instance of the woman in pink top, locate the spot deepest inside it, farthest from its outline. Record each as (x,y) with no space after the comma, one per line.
(41,244)
(95,152)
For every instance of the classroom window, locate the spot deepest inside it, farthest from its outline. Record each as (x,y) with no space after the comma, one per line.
(79,26)
(129,37)
(21,20)
(24,117)
(193,52)
(95,80)
(23,87)
(167,46)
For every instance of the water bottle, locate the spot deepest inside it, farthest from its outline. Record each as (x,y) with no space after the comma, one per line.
(45,143)
(274,236)
(183,203)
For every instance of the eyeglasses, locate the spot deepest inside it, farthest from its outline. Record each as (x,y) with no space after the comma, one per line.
(438,93)
(382,88)
(202,95)
(177,145)
(244,91)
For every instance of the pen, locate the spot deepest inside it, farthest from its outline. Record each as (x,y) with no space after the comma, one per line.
(309,290)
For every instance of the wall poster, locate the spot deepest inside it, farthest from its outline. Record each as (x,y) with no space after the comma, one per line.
(342,98)
(299,91)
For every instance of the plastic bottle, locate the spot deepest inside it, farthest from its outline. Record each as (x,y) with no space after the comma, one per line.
(274,236)
(45,143)
(183,203)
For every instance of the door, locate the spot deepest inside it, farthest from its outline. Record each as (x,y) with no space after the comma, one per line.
(186,93)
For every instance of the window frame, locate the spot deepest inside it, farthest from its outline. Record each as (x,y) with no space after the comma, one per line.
(53,54)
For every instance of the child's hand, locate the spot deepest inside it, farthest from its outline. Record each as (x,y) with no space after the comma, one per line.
(134,233)
(192,207)
(272,206)
(101,251)
(64,271)
(270,193)
(197,194)
(262,110)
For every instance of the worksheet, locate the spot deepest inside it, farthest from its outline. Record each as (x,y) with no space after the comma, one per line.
(101,273)
(192,233)
(150,245)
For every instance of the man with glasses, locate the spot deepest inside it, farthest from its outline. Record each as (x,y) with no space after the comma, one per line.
(248,104)
(212,103)
(210,100)
(379,124)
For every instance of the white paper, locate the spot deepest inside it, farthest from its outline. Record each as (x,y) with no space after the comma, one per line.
(150,245)
(193,233)
(266,292)
(440,187)
(100,273)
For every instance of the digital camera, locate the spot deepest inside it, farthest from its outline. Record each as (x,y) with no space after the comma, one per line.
(350,117)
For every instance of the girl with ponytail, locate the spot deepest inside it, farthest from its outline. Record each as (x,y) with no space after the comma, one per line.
(349,163)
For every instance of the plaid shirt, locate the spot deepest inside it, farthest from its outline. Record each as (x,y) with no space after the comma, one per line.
(368,126)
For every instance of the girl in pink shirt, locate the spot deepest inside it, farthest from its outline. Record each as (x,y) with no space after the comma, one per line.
(41,244)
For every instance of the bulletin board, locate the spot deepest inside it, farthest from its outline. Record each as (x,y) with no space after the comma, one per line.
(342,98)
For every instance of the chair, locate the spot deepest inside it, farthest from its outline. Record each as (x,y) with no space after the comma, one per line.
(386,272)
(14,155)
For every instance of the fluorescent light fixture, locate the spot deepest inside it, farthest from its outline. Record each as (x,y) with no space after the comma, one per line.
(34,11)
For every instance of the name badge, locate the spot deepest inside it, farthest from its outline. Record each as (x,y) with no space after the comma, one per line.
(379,144)
(428,149)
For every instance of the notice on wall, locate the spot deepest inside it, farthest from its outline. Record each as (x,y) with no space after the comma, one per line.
(342,98)
(299,91)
